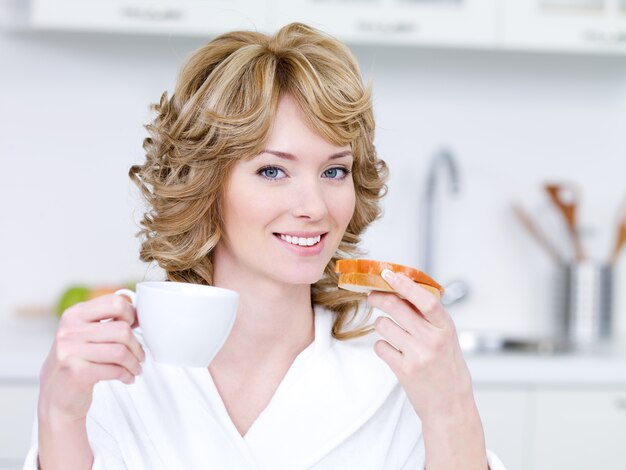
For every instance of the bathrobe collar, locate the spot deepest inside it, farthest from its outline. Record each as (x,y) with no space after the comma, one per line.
(331,389)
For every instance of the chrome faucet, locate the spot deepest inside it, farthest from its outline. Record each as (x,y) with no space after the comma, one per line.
(443,159)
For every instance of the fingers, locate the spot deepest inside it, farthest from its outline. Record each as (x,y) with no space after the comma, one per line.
(428,305)
(110,353)
(115,332)
(88,350)
(393,333)
(83,363)
(102,308)
(402,311)
(419,327)
(86,374)
(389,354)
(111,372)
(85,341)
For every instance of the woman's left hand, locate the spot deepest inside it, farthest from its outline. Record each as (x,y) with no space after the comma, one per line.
(421,347)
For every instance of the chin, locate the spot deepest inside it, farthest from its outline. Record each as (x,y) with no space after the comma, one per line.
(300,275)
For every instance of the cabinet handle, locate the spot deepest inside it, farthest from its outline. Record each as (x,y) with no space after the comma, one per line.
(152,14)
(386,27)
(605,37)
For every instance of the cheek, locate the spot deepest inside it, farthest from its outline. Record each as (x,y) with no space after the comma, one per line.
(255,211)
(247,209)
(343,207)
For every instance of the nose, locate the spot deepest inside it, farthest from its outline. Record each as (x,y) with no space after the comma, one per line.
(309,200)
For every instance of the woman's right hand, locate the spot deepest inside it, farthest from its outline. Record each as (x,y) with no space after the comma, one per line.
(87,350)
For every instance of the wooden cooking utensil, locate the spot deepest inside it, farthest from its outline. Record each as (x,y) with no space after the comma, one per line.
(620,238)
(565,197)
(536,233)
(620,241)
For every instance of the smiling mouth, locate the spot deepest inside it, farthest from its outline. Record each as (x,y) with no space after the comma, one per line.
(301,241)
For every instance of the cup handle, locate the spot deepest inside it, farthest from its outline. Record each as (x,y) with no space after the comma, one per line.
(128,293)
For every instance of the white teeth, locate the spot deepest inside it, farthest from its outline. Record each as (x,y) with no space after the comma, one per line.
(301,241)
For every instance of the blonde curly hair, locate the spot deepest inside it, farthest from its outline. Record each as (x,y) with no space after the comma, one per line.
(221,111)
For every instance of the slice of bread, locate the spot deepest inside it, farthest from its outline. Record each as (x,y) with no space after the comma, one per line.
(365,283)
(367,266)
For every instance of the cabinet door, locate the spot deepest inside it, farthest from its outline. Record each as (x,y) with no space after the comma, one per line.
(429,22)
(578,429)
(182,17)
(566,25)
(18,403)
(13,14)
(504,413)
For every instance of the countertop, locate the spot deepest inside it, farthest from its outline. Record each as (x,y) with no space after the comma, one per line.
(25,342)
(24,345)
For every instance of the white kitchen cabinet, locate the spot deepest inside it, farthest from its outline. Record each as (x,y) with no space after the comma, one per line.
(18,402)
(565,25)
(578,429)
(180,17)
(504,413)
(592,26)
(461,23)
(555,427)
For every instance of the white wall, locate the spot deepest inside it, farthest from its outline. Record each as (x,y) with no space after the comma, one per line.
(71,113)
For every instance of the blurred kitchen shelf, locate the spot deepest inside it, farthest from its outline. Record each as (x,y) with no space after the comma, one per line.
(572,26)
(596,26)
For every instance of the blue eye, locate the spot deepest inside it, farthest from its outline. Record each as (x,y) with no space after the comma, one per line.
(270,172)
(332,173)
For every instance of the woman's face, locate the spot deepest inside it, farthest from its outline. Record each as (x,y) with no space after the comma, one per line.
(286,210)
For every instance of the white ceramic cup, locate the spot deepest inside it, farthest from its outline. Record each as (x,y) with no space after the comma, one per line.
(181,323)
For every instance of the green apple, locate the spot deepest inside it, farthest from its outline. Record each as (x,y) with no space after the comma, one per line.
(72,295)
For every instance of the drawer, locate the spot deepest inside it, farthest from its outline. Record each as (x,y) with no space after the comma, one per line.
(18,405)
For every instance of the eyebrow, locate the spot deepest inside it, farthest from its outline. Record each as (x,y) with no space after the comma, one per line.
(290,156)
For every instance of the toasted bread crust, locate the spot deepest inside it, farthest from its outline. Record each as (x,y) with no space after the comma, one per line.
(365,283)
(365,266)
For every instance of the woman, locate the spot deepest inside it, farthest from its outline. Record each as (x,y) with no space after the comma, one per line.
(260,173)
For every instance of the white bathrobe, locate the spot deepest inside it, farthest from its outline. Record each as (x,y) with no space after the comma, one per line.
(338,407)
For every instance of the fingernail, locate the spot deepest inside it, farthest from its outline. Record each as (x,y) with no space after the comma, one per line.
(388,275)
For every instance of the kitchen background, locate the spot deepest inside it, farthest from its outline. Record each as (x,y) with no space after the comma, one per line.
(519,95)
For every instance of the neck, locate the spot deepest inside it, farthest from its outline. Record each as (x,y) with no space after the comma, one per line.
(273,319)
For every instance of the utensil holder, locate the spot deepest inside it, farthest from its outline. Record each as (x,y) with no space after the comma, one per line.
(585,303)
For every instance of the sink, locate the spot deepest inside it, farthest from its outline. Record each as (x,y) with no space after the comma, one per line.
(485,343)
